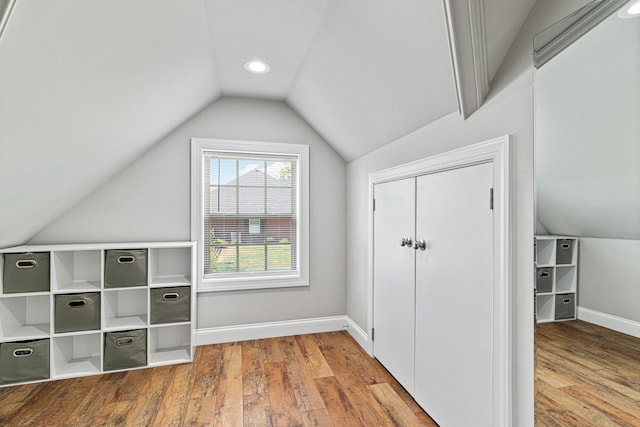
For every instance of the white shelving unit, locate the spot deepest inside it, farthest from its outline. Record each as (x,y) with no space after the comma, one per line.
(76,269)
(556,262)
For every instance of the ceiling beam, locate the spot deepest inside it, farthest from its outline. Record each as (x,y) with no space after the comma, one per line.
(468,47)
(6,6)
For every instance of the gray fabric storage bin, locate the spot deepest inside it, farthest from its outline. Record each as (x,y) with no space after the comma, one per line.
(544,280)
(77,312)
(125,268)
(565,306)
(26,272)
(24,361)
(170,305)
(125,349)
(564,251)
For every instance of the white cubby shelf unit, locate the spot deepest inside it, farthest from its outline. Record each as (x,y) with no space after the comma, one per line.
(80,269)
(556,266)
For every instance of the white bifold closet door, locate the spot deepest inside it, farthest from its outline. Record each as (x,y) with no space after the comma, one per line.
(433,308)
(454,297)
(394,269)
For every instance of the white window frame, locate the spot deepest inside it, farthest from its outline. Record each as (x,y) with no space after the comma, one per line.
(276,280)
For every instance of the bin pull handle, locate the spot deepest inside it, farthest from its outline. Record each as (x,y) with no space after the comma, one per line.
(170,296)
(22,352)
(566,300)
(128,259)
(26,263)
(120,342)
(544,274)
(77,303)
(565,246)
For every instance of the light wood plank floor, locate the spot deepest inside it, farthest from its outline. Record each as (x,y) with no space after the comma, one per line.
(586,375)
(307,380)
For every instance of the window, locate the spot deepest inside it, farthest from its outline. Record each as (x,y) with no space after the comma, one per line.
(249,213)
(254,226)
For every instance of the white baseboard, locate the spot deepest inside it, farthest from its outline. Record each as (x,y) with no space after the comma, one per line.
(358,334)
(620,324)
(280,329)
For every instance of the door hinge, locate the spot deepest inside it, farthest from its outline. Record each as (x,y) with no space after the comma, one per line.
(374,204)
(491,198)
(373,334)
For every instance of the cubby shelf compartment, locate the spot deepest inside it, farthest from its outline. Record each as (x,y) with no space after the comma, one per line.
(77,355)
(545,252)
(566,279)
(76,271)
(25,317)
(544,308)
(125,308)
(170,344)
(170,267)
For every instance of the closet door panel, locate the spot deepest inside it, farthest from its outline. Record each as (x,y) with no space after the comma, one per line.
(454,282)
(394,276)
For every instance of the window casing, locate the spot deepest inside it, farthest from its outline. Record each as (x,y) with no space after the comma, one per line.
(250,214)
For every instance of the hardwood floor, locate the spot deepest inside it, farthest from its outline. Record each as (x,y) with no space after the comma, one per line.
(307,380)
(586,376)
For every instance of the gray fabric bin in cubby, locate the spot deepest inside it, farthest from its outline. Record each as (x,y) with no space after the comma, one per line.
(564,251)
(77,312)
(125,349)
(170,305)
(24,361)
(544,280)
(125,268)
(565,306)
(26,272)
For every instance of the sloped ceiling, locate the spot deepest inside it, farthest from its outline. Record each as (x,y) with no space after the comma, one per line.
(87,87)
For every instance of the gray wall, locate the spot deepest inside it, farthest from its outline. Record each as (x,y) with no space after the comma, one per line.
(588,135)
(150,201)
(609,274)
(508,110)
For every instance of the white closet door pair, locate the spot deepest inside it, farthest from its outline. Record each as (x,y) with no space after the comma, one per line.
(433,308)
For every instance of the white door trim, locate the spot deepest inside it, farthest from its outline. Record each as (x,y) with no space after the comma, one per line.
(498,151)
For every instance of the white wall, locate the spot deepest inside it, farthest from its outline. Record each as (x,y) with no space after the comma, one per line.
(150,201)
(609,274)
(508,110)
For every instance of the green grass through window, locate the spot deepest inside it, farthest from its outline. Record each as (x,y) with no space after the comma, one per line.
(251,258)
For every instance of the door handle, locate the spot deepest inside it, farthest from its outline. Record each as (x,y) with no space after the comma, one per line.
(420,244)
(406,241)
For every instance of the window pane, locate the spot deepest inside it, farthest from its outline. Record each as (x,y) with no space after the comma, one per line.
(252,258)
(228,171)
(279,174)
(251,200)
(279,200)
(214,168)
(223,259)
(251,173)
(279,230)
(279,257)
(223,200)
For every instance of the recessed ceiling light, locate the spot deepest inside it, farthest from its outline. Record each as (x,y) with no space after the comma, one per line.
(257,67)
(631,10)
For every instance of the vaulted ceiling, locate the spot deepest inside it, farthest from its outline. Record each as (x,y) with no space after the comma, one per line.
(87,87)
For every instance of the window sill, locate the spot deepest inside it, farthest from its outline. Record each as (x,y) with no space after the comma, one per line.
(222,285)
